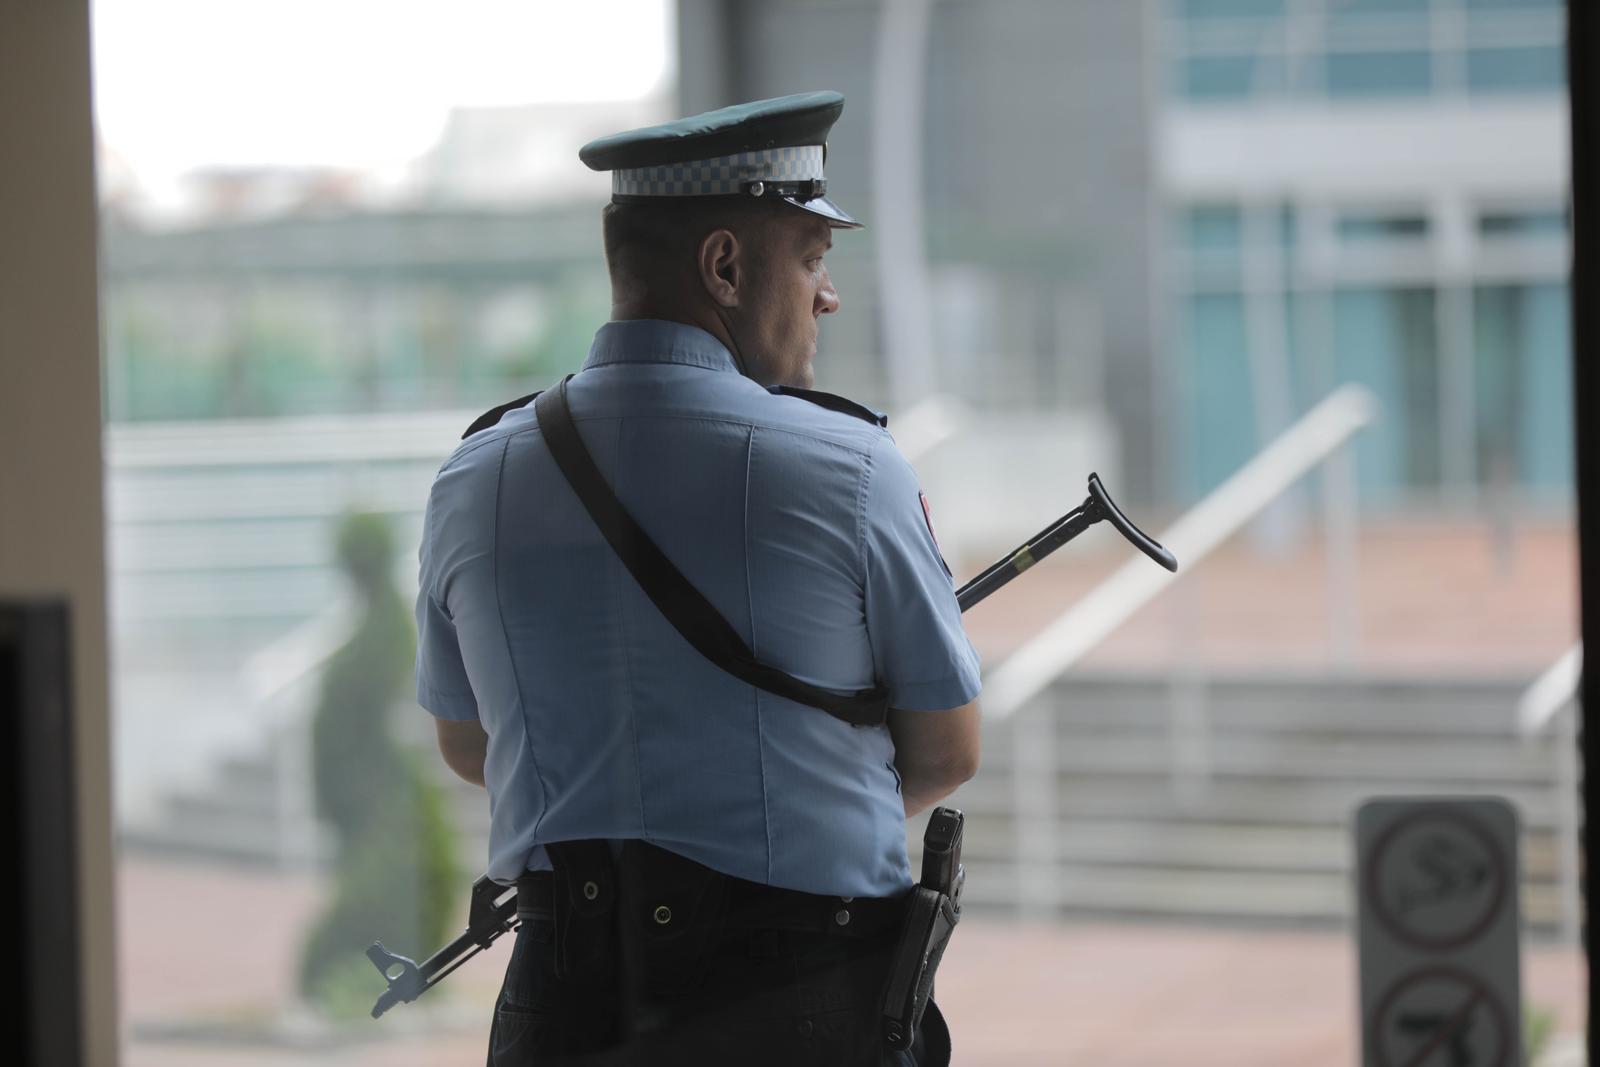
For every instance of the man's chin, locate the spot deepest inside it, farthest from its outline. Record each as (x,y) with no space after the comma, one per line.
(799,378)
(807,374)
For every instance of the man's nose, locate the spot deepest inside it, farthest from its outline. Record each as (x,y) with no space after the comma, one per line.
(827,297)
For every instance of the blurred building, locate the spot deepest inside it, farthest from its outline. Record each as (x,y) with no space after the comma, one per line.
(521,155)
(1036,191)
(1151,235)
(1376,191)
(1201,215)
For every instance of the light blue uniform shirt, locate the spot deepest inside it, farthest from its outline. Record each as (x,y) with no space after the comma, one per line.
(803,526)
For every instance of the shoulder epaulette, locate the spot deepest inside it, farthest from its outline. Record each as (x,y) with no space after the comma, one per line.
(493,415)
(832,402)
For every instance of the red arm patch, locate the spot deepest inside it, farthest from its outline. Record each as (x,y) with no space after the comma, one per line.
(927,516)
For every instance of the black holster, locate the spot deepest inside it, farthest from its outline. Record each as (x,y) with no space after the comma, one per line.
(935,909)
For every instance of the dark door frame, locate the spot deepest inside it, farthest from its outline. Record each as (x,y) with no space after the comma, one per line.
(1583,77)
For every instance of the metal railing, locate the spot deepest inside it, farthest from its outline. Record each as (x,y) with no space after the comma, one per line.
(1318,437)
(1551,702)
(1315,438)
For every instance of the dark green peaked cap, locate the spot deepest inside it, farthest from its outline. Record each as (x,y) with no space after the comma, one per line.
(801,119)
(774,148)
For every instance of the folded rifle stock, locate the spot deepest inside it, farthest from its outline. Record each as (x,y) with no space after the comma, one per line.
(493,912)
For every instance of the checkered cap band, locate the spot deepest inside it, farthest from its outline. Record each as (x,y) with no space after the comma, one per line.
(720,176)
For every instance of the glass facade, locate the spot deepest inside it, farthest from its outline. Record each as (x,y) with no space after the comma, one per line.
(1362,50)
(1472,377)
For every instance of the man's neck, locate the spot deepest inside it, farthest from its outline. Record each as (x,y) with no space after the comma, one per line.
(624,311)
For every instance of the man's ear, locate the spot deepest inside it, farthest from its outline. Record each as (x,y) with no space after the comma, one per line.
(721,268)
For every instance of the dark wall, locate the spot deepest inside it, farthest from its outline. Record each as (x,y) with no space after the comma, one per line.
(1038,171)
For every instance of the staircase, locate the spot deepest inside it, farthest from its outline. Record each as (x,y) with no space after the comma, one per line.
(1126,829)
(256,809)
(1251,823)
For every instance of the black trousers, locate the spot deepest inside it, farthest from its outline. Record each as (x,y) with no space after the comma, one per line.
(765,997)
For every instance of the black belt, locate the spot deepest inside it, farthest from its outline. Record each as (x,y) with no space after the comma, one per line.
(751,906)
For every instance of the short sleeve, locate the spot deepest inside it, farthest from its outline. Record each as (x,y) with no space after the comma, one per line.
(920,651)
(442,685)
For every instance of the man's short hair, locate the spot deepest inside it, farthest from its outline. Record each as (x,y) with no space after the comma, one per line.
(644,235)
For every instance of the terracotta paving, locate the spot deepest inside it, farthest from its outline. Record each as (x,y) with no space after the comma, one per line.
(1429,595)
(203,945)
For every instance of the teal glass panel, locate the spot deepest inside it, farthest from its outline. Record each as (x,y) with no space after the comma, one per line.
(1213,228)
(1212,236)
(1361,74)
(1307,380)
(1514,5)
(1523,349)
(1216,397)
(1512,70)
(1546,439)
(1367,24)
(1523,224)
(1198,10)
(1229,77)
(1497,384)
(1358,228)
(1287,228)
(1341,9)
(1384,339)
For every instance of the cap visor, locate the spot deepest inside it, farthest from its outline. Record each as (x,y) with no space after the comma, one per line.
(837,217)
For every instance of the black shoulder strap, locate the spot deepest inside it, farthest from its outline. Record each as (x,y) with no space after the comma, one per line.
(831,401)
(493,415)
(691,614)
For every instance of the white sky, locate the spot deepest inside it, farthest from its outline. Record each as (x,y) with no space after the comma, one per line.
(352,83)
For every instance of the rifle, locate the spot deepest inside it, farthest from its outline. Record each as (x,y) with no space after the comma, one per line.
(494,907)
(493,912)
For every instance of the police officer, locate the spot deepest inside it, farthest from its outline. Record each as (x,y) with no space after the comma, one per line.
(711,864)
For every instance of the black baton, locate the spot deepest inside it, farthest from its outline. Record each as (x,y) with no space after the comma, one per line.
(1099,506)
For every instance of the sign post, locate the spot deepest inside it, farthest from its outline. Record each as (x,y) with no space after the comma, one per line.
(1439,932)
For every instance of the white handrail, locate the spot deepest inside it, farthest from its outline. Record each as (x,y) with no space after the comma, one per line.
(1550,692)
(928,423)
(1317,435)
(276,666)
(1539,708)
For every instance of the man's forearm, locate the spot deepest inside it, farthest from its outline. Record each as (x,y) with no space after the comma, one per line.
(920,802)
(921,792)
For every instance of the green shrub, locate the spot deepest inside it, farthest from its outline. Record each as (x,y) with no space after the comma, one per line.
(396,873)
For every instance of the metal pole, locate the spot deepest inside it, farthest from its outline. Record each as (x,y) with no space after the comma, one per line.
(897,94)
(1568,860)
(1342,548)
(1035,812)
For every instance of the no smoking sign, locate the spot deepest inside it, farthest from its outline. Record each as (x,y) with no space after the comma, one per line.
(1439,927)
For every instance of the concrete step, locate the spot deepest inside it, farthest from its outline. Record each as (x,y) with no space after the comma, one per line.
(1266,839)
(1300,687)
(1204,846)
(1488,763)
(233,836)
(1286,706)
(1279,803)
(1227,896)
(1332,723)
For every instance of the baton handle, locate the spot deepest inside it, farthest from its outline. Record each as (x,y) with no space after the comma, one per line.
(1098,506)
(1141,540)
